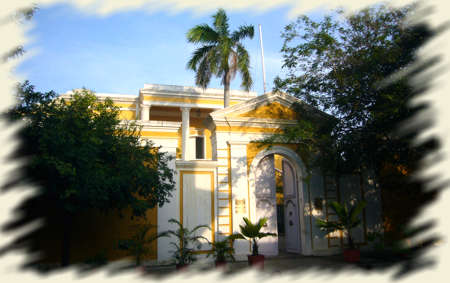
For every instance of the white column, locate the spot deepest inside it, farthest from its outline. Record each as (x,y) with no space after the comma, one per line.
(185,132)
(239,187)
(170,209)
(145,112)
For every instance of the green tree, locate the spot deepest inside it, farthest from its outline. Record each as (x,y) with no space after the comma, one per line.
(221,53)
(360,68)
(346,67)
(82,157)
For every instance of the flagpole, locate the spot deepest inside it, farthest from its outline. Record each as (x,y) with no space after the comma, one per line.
(262,56)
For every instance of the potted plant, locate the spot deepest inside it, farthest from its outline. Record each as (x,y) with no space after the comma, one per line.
(184,253)
(347,220)
(221,250)
(253,232)
(137,246)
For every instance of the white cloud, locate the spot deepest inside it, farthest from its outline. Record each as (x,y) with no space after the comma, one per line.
(202,7)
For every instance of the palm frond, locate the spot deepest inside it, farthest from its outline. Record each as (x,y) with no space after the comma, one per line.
(175,245)
(202,34)
(338,209)
(247,222)
(243,65)
(236,236)
(328,226)
(196,238)
(221,22)
(173,220)
(225,51)
(198,55)
(262,222)
(153,237)
(174,233)
(199,227)
(265,234)
(204,74)
(214,59)
(243,32)
(356,210)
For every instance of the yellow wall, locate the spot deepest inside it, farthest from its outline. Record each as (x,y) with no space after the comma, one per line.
(105,230)
(273,110)
(151,134)
(247,129)
(127,115)
(95,233)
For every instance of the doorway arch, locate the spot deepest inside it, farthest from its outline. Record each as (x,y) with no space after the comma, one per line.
(300,172)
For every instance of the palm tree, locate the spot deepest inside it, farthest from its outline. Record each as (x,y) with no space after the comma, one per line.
(221,54)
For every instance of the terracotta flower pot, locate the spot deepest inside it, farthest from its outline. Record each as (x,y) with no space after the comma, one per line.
(351,255)
(256,260)
(140,269)
(220,264)
(181,267)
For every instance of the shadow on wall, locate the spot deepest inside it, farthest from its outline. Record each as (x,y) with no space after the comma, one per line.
(95,235)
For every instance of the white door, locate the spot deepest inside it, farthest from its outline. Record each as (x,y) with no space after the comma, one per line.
(266,203)
(291,220)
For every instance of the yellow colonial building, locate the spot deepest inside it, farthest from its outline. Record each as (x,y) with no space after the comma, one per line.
(223,173)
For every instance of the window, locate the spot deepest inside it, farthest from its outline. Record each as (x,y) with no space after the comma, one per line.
(199,147)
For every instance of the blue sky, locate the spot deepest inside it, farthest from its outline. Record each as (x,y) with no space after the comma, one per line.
(120,52)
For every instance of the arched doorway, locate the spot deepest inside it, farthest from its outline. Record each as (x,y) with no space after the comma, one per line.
(285,209)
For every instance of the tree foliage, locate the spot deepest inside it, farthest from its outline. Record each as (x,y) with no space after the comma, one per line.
(83,158)
(360,68)
(348,66)
(220,54)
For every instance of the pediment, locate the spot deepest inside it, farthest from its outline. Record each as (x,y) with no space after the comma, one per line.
(268,106)
(269,110)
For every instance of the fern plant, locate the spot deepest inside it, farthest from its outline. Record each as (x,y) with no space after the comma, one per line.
(184,253)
